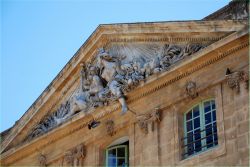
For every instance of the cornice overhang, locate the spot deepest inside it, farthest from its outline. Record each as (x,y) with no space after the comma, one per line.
(137,32)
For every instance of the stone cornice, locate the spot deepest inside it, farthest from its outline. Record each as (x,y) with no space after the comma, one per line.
(98,38)
(215,52)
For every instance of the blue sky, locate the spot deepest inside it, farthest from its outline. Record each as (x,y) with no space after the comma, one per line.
(38,37)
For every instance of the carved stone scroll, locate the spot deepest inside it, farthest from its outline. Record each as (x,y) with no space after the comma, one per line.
(149,118)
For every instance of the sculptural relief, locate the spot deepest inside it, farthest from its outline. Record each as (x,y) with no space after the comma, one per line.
(191,89)
(149,118)
(110,127)
(234,78)
(42,160)
(112,75)
(75,156)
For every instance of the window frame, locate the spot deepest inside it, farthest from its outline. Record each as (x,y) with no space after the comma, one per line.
(202,127)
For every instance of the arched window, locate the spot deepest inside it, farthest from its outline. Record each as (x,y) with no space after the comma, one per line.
(200,130)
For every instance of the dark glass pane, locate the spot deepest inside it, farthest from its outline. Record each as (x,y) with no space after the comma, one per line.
(189,126)
(207,118)
(209,130)
(189,115)
(197,122)
(213,104)
(215,127)
(189,137)
(207,106)
(209,140)
(197,134)
(197,146)
(112,153)
(121,152)
(214,115)
(121,162)
(190,149)
(196,111)
(112,162)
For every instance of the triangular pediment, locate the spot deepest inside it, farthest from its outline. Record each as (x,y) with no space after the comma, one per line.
(116,60)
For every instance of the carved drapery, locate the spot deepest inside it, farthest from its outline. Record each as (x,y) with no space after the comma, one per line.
(151,118)
(74,156)
(111,75)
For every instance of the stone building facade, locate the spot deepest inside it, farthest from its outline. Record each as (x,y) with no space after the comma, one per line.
(145,94)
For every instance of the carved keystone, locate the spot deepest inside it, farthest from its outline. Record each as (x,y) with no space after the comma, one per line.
(110,127)
(191,89)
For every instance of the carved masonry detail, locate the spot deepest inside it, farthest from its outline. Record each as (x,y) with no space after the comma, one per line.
(111,75)
(149,118)
(74,156)
(234,78)
(191,89)
(42,160)
(110,127)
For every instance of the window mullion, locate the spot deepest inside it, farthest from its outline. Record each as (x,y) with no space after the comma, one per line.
(202,126)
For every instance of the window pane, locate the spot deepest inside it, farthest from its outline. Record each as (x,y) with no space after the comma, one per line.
(197,137)
(213,104)
(189,137)
(196,111)
(189,126)
(209,129)
(112,162)
(197,122)
(214,115)
(112,153)
(208,118)
(207,106)
(189,115)
(209,141)
(121,152)
(190,150)
(121,162)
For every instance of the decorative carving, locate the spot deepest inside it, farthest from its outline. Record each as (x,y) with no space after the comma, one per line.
(42,160)
(110,127)
(191,89)
(74,156)
(79,155)
(111,75)
(149,118)
(68,158)
(236,10)
(234,78)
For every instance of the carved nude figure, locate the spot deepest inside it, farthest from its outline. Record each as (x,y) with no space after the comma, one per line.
(109,67)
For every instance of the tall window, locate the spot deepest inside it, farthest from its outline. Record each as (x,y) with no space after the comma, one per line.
(200,130)
(117,156)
